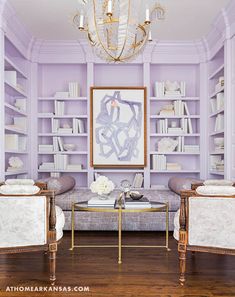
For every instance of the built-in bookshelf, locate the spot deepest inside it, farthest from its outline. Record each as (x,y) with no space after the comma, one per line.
(16,86)
(216,115)
(63,122)
(174,122)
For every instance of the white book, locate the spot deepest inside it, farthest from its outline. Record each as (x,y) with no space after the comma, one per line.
(20,122)
(182,144)
(60,143)
(11,77)
(134,181)
(190,127)
(11,142)
(186,108)
(179,145)
(81,128)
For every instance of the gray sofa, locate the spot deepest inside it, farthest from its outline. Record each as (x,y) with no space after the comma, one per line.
(108,221)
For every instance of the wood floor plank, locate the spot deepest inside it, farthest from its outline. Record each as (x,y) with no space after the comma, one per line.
(144,272)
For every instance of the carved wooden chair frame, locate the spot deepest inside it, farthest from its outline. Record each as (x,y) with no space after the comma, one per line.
(51,245)
(183,245)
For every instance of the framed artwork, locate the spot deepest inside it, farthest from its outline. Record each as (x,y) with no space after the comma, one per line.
(118,127)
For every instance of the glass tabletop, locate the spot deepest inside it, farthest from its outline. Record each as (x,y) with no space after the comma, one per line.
(153,206)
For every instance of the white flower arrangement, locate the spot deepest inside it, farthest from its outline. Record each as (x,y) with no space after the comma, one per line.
(15,162)
(102,186)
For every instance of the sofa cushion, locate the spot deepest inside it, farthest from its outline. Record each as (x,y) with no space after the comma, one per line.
(177,184)
(61,184)
(65,200)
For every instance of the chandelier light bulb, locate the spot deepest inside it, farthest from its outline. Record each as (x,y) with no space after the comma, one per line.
(150,36)
(110,8)
(81,22)
(147,16)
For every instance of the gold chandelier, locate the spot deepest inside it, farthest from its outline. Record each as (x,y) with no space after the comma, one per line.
(118,30)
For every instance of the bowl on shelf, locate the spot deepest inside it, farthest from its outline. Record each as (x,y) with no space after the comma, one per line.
(69,147)
(136,195)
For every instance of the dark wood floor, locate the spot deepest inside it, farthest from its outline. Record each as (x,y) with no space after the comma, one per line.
(144,272)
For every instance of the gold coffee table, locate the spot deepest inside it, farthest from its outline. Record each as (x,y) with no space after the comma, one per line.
(155,207)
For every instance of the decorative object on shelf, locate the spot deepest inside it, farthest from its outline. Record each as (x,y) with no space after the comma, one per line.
(125,185)
(217,163)
(15,164)
(170,89)
(167,144)
(102,186)
(117,29)
(69,147)
(220,84)
(135,195)
(219,143)
(118,127)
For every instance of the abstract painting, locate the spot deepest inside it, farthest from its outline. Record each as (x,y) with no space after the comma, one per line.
(118,127)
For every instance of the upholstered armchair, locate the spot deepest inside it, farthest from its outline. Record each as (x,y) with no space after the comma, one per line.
(207,222)
(30,222)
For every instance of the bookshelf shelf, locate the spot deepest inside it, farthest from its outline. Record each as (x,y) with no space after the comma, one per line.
(14,91)
(213,95)
(118,170)
(174,98)
(63,135)
(171,171)
(10,65)
(221,173)
(174,117)
(17,172)
(64,171)
(15,109)
(216,113)
(217,133)
(16,152)
(63,153)
(61,99)
(173,153)
(41,116)
(217,73)
(18,131)
(174,135)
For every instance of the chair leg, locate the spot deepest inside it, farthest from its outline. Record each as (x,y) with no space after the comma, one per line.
(52,259)
(182,258)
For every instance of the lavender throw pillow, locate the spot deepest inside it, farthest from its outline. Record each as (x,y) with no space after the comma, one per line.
(177,184)
(61,184)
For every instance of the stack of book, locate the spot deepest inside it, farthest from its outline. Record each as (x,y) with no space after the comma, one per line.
(191,148)
(65,130)
(59,108)
(162,126)
(74,167)
(78,126)
(45,148)
(55,174)
(138,180)
(15,142)
(159,89)
(216,163)
(21,104)
(180,146)
(61,162)
(47,166)
(74,89)
(20,122)
(159,162)
(58,144)
(97,202)
(175,130)
(219,122)
(137,204)
(173,166)
(186,125)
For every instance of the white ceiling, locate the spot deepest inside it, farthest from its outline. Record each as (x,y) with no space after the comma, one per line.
(185,19)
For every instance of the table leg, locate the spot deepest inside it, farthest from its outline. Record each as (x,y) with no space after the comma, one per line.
(72,228)
(167,226)
(120,235)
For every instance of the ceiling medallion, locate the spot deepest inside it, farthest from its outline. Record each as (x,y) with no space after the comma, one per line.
(118,30)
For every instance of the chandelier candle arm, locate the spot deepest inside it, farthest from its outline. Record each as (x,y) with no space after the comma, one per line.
(118,30)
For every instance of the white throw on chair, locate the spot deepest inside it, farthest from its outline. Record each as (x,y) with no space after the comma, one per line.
(29,220)
(205,222)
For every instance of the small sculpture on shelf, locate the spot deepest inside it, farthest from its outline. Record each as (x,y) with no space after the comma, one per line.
(167,144)
(15,164)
